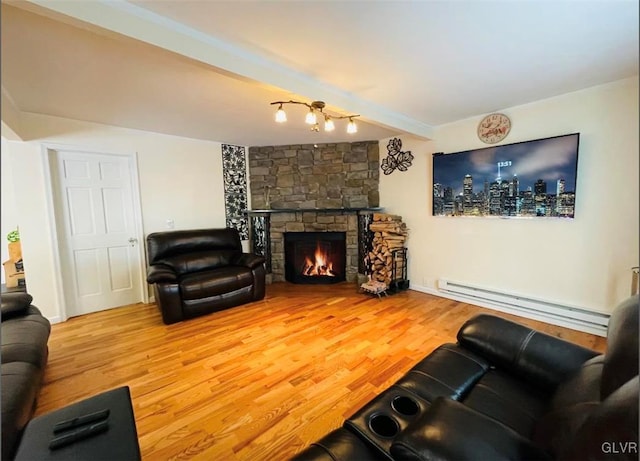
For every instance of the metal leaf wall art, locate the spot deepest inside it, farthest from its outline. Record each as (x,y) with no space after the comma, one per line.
(396,159)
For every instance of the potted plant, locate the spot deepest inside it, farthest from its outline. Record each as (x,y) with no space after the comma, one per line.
(15,249)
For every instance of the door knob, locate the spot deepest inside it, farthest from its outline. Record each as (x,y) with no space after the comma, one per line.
(133,241)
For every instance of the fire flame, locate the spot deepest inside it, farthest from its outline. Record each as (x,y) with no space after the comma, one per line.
(320,266)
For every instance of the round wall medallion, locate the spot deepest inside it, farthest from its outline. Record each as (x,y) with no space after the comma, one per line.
(494,128)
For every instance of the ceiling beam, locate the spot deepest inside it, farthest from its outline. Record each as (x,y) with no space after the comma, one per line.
(133,21)
(11,118)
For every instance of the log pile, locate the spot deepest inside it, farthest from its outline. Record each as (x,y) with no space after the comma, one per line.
(389,233)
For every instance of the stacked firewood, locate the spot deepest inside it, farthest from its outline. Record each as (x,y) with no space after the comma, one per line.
(389,233)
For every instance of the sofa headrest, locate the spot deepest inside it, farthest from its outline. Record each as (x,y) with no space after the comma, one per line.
(200,261)
(15,303)
(538,358)
(163,245)
(621,358)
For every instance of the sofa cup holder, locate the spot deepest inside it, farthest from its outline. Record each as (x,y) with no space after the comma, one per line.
(405,406)
(384,425)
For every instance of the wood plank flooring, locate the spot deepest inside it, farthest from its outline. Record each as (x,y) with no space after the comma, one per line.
(259,381)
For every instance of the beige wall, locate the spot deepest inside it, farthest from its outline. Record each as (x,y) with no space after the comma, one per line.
(584,262)
(180,179)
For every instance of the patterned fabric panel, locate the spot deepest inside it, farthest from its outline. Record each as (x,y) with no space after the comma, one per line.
(235,188)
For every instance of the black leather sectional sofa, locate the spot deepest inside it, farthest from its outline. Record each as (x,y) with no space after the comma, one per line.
(503,392)
(25,333)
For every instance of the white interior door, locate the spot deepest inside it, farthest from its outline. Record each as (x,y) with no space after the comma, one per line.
(99,251)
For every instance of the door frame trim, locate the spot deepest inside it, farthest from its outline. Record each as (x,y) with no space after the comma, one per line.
(47,155)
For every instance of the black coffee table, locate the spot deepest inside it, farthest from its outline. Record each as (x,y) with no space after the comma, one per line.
(118,442)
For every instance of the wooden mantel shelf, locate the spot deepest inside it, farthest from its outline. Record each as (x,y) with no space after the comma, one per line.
(319,210)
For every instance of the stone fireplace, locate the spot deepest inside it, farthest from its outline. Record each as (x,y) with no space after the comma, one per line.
(315,257)
(316,188)
(341,175)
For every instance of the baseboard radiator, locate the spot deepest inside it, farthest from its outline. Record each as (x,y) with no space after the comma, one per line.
(525,306)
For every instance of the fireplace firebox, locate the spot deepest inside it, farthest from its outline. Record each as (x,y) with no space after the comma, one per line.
(315,257)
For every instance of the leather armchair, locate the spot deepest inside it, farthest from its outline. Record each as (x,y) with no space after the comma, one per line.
(504,392)
(196,272)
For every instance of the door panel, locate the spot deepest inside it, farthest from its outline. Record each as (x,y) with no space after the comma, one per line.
(110,171)
(81,215)
(119,273)
(88,277)
(76,169)
(114,206)
(100,258)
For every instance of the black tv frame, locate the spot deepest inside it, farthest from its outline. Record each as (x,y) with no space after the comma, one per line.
(504,191)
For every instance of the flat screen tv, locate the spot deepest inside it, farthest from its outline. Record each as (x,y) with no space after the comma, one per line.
(525,179)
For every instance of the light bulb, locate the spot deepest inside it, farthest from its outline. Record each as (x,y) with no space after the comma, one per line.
(328,124)
(352,127)
(311,118)
(281,116)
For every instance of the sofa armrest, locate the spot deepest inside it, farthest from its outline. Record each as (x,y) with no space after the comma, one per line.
(161,273)
(449,430)
(14,303)
(250,260)
(539,358)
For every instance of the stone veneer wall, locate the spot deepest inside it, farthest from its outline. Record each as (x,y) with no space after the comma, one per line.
(340,175)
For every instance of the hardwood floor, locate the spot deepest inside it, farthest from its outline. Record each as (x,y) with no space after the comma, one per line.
(259,381)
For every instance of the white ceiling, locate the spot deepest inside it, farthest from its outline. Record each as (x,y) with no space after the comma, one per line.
(209,69)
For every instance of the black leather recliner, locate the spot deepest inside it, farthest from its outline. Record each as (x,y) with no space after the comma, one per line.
(196,272)
(503,392)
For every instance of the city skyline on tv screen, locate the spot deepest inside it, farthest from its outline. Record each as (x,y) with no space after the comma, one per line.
(527,179)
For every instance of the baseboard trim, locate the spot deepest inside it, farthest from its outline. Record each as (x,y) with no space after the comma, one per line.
(547,317)
(55,319)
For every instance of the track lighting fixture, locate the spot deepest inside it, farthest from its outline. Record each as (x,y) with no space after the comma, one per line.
(316,109)
(351,126)
(328,123)
(281,115)
(311,118)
